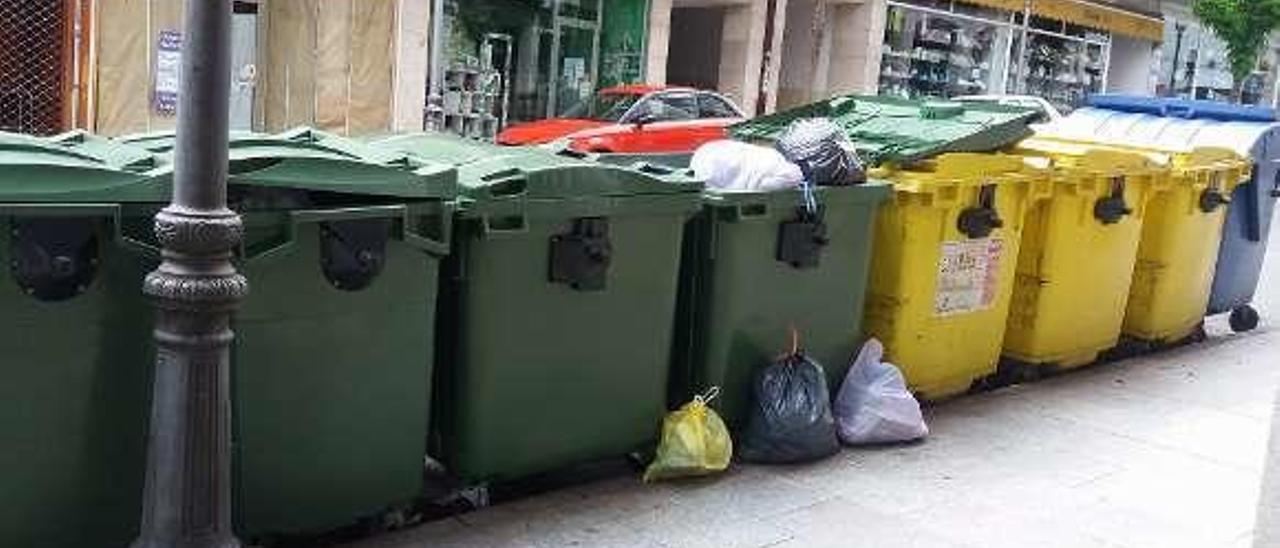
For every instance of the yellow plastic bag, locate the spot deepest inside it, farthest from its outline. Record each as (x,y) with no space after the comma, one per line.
(695,442)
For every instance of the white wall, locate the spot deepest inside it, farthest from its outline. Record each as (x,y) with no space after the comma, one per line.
(739,40)
(856,46)
(659,41)
(413,24)
(1131,66)
(798,78)
(845,57)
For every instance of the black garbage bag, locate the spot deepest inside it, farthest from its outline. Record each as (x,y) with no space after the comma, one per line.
(824,153)
(790,417)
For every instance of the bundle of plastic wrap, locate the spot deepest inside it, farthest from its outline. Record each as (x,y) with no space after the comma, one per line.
(824,153)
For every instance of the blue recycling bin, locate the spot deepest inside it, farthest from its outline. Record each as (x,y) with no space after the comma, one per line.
(1244,237)
(1251,131)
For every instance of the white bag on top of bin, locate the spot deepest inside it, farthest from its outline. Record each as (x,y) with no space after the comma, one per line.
(734,165)
(874,405)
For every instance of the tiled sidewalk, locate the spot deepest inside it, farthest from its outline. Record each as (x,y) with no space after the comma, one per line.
(1164,452)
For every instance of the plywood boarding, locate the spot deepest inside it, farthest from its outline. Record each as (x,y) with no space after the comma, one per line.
(373,54)
(126,35)
(289,77)
(123,70)
(333,64)
(330,64)
(324,63)
(413,24)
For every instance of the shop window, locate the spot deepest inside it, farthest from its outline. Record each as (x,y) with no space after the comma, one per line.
(1061,70)
(929,53)
(948,49)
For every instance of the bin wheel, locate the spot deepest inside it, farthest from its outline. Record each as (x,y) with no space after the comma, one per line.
(1244,318)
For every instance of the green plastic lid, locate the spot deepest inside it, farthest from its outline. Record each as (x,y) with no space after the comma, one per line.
(894,130)
(309,159)
(75,167)
(491,172)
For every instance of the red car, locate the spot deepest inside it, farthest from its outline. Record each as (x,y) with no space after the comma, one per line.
(635,118)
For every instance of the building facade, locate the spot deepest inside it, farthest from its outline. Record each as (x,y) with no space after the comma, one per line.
(349,66)
(507,61)
(112,66)
(370,66)
(769,54)
(732,46)
(1062,50)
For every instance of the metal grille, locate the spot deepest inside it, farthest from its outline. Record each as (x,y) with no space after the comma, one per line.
(32,72)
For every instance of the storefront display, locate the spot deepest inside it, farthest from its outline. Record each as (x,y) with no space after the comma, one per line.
(947,48)
(930,53)
(1062,63)
(508,61)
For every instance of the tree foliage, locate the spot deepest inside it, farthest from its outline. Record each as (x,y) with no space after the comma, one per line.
(1244,25)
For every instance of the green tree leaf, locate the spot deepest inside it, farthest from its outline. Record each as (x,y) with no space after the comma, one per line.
(1245,26)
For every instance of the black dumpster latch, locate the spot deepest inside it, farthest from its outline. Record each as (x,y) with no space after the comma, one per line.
(353,253)
(1111,208)
(979,221)
(54,258)
(800,241)
(581,257)
(1212,198)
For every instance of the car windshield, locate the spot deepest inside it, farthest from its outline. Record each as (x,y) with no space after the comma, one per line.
(604,107)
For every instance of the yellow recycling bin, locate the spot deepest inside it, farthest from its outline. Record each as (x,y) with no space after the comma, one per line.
(1078,252)
(942,274)
(1180,239)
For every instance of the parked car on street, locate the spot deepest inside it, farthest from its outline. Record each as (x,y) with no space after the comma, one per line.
(634,119)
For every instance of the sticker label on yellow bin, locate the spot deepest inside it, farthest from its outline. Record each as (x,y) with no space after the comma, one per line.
(968,276)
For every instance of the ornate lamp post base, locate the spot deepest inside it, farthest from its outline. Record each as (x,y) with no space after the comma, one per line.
(195,290)
(187,499)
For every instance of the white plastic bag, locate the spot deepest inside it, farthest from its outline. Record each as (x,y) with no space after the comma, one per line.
(733,165)
(874,405)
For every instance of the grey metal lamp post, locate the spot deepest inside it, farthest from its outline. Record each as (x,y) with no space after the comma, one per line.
(187,501)
(435,97)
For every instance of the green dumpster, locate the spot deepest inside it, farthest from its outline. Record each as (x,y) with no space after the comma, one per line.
(333,357)
(673,160)
(891,129)
(75,379)
(562,294)
(751,275)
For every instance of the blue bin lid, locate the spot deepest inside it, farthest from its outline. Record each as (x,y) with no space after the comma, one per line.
(1182,108)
